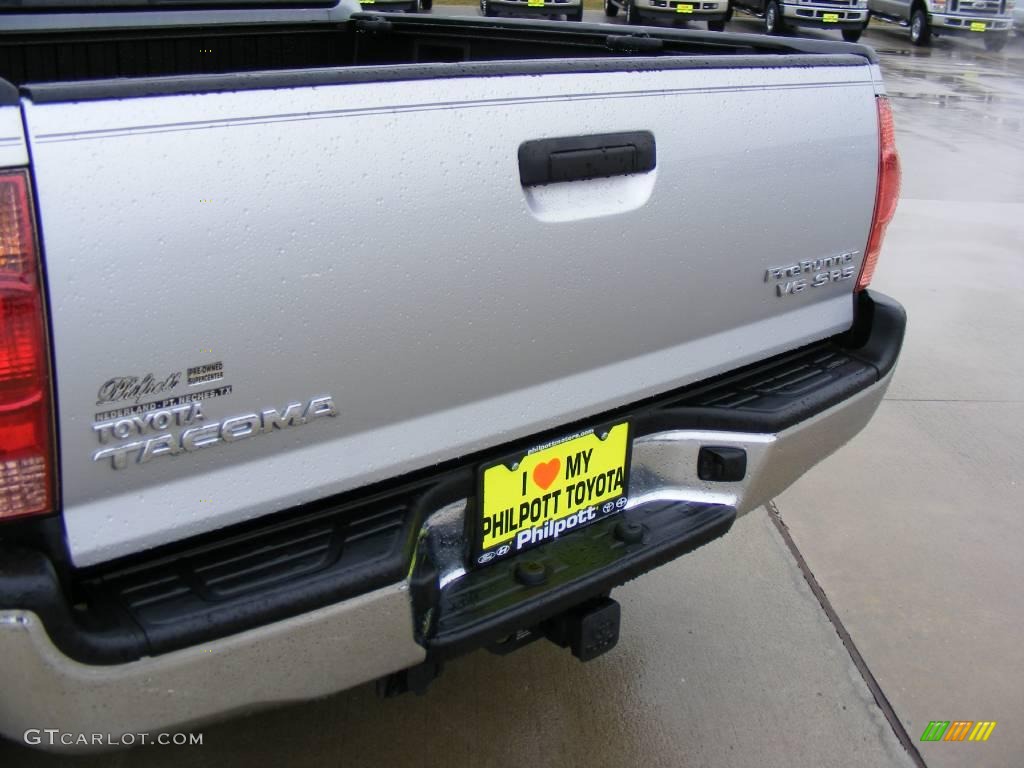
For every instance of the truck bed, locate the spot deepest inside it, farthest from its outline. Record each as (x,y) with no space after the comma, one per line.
(44,52)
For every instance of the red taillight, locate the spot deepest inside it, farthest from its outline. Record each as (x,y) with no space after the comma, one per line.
(888,193)
(26,444)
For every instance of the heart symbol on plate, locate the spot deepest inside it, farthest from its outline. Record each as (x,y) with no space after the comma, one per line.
(544,474)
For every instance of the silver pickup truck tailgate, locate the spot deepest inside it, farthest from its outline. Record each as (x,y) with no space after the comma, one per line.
(335,285)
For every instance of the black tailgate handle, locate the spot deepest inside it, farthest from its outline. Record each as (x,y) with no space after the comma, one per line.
(575,158)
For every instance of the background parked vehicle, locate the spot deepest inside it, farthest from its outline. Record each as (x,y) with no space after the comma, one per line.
(715,13)
(571,9)
(991,18)
(848,16)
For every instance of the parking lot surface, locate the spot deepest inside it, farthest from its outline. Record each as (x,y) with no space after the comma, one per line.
(913,531)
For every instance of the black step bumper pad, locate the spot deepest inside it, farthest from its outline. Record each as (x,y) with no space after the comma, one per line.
(492,602)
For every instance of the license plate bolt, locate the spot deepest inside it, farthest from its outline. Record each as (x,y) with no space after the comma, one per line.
(531,573)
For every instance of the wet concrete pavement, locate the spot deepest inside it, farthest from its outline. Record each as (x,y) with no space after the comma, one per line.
(914,532)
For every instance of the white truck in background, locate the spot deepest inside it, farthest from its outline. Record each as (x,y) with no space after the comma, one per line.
(713,12)
(989,20)
(849,17)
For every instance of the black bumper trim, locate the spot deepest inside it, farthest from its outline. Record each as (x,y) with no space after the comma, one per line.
(940,31)
(227,581)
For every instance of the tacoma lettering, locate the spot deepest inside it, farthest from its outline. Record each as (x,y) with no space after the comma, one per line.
(194,438)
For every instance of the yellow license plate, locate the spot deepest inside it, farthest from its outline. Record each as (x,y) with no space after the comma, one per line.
(830,17)
(977,26)
(684,8)
(552,490)
(535,3)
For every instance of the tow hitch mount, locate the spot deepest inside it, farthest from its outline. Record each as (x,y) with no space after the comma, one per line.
(588,630)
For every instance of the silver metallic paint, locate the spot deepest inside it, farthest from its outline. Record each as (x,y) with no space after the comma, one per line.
(13,149)
(413,277)
(311,655)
